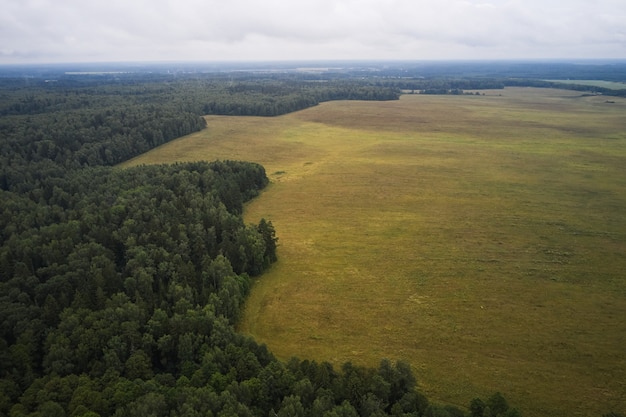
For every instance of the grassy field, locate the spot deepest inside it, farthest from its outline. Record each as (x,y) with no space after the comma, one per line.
(480,238)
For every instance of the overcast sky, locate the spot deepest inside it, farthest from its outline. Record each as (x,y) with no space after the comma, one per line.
(243,30)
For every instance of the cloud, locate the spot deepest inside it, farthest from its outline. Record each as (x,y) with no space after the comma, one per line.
(97,30)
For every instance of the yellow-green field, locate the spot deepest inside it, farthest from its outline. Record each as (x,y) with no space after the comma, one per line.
(480,238)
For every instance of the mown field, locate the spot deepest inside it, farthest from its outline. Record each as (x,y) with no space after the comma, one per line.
(480,238)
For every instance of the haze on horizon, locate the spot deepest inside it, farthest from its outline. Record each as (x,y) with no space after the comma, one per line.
(47,31)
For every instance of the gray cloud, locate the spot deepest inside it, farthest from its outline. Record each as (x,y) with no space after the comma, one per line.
(119,30)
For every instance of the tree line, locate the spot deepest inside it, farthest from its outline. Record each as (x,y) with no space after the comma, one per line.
(104,121)
(455,86)
(120,288)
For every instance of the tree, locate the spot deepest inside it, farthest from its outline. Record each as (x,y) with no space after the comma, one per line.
(345,409)
(51,409)
(400,378)
(291,407)
(266,229)
(150,405)
(497,404)
(138,365)
(477,407)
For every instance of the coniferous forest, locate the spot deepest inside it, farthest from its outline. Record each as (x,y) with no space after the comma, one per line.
(120,288)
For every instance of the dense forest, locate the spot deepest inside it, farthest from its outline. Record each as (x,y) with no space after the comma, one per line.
(119,289)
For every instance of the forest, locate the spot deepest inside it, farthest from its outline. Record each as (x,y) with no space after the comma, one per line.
(120,288)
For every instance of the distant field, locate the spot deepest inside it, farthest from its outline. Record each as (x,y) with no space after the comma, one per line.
(595,83)
(480,238)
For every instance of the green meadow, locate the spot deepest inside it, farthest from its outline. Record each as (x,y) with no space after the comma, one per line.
(480,238)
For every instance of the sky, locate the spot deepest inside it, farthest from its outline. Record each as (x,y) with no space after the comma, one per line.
(50,31)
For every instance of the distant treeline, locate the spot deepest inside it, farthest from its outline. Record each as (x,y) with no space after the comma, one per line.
(273,98)
(209,94)
(607,70)
(459,86)
(566,86)
(91,122)
(362,71)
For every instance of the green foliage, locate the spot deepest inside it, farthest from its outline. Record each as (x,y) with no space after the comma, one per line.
(496,405)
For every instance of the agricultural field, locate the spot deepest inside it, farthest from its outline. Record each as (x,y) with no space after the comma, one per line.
(480,238)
